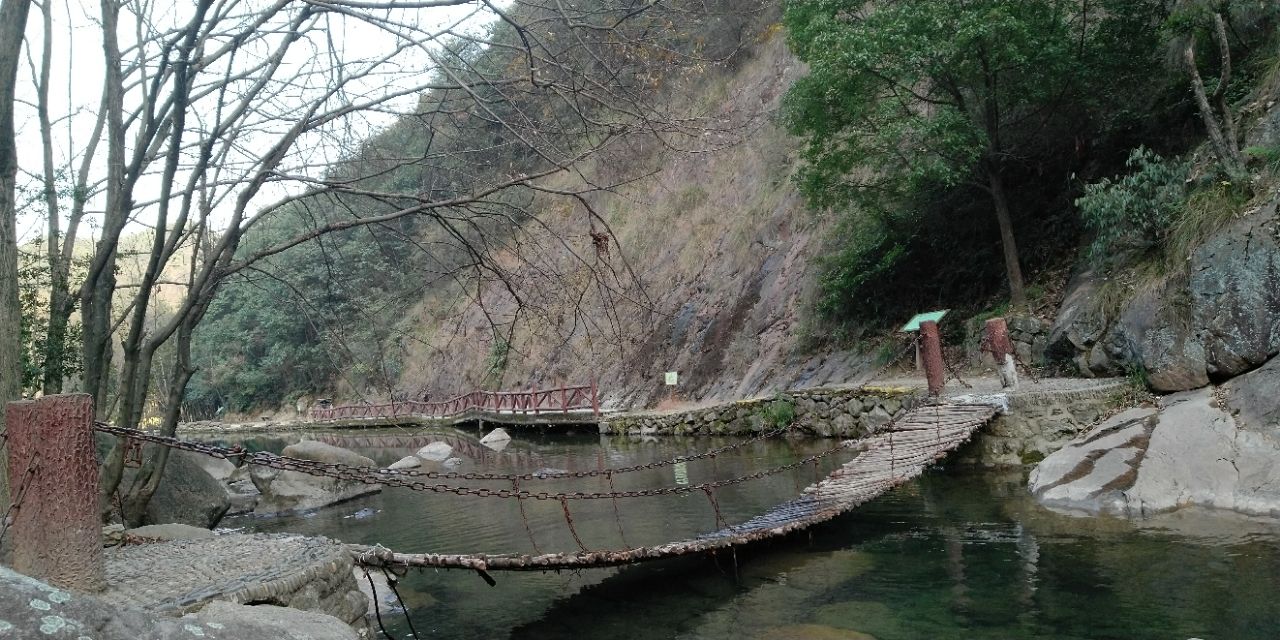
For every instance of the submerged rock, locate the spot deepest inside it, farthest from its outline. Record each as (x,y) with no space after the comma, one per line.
(498,439)
(435,452)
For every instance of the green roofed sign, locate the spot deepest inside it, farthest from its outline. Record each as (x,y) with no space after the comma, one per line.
(914,323)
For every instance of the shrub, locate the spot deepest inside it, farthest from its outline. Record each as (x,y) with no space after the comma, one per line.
(779,413)
(1136,211)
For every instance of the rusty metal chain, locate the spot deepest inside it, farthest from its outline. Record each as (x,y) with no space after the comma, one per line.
(135,436)
(33,466)
(385,477)
(951,369)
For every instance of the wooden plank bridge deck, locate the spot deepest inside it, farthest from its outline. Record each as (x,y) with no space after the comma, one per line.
(887,459)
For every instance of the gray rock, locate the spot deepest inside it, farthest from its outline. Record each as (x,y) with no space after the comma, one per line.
(293,491)
(407,462)
(1191,453)
(1235,293)
(32,609)
(435,452)
(495,436)
(187,494)
(1160,337)
(219,469)
(1255,399)
(171,531)
(274,622)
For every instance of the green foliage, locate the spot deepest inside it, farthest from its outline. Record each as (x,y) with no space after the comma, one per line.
(780,412)
(1135,211)
(914,113)
(498,359)
(1267,156)
(33,296)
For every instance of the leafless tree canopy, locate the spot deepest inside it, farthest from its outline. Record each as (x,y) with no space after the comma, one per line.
(218,117)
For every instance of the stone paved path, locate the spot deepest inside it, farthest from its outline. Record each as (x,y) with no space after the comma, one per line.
(176,577)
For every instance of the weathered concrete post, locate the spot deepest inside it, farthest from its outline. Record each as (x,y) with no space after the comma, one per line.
(57,533)
(931,351)
(997,339)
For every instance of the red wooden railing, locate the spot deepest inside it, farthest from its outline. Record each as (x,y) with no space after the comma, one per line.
(561,399)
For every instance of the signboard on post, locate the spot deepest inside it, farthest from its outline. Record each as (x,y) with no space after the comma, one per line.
(672,378)
(913,325)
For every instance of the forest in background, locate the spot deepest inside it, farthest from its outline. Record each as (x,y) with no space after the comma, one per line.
(1097,112)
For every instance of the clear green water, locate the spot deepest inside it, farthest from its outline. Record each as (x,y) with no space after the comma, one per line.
(958,553)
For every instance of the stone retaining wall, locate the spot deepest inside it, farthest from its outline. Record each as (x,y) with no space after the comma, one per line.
(840,413)
(1039,423)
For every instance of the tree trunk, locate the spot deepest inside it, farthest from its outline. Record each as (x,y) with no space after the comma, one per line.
(1224,144)
(1017,291)
(13,23)
(135,504)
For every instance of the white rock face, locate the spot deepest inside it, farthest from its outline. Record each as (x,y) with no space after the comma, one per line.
(407,462)
(1191,452)
(498,439)
(435,452)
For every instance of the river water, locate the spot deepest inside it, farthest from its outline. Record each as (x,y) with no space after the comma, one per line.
(957,553)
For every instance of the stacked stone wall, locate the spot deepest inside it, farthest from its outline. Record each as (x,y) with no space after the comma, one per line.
(825,412)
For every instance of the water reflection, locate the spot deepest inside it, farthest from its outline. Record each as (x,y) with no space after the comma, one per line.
(959,553)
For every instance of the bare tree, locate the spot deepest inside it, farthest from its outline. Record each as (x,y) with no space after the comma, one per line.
(224,104)
(13,21)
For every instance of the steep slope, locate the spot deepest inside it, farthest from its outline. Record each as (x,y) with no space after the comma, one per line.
(707,274)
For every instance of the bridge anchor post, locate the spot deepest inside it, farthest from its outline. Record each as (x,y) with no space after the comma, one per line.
(55,524)
(1001,348)
(931,352)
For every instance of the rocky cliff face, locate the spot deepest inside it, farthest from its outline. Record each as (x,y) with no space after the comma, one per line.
(707,276)
(1217,319)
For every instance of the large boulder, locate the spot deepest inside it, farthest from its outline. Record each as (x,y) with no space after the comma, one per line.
(1254,398)
(435,451)
(1235,294)
(32,609)
(292,491)
(187,494)
(1193,451)
(1219,319)
(1160,337)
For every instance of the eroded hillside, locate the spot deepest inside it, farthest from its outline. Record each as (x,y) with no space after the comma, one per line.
(707,273)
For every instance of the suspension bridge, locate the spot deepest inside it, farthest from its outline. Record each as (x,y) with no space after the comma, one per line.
(51,461)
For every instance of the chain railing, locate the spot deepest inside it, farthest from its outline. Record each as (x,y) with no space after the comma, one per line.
(394,478)
(537,402)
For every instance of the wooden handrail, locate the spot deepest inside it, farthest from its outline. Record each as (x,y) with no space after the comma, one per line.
(538,400)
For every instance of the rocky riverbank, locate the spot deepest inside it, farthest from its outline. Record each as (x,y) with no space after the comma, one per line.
(1217,447)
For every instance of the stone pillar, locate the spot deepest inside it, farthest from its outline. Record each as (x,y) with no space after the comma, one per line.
(931,352)
(56,529)
(997,340)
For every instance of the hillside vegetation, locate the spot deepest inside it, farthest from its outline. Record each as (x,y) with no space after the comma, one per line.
(855,166)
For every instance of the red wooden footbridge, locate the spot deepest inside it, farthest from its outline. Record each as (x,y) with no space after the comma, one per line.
(560,400)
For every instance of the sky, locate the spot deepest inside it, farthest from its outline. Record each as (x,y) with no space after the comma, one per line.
(77,72)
